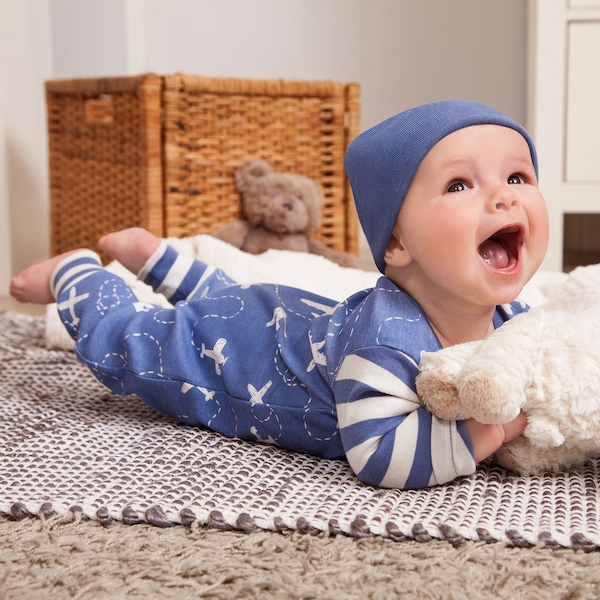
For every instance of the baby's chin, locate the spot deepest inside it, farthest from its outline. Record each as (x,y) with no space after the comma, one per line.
(507,291)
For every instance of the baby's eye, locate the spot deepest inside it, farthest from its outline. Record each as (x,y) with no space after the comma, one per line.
(515,178)
(457,186)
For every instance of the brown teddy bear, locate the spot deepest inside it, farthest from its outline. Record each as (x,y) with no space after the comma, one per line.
(282,210)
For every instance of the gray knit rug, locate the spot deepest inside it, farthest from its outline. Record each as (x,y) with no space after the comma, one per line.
(69,445)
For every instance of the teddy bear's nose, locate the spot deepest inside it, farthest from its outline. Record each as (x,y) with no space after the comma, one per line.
(287,206)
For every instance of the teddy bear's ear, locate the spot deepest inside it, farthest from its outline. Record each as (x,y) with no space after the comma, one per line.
(250,171)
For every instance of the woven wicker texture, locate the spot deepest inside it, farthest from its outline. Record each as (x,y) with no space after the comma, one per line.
(160,152)
(69,445)
(105,158)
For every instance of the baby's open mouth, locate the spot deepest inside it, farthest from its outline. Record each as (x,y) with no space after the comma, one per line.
(501,250)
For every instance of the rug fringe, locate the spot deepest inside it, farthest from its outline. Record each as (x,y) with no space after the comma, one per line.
(155,515)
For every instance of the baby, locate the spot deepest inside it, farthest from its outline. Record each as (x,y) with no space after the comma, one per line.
(448,199)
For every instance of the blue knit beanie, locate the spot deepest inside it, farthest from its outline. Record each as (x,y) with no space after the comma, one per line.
(381,162)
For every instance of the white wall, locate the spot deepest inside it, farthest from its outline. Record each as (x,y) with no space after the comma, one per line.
(88,38)
(5,246)
(25,61)
(402,52)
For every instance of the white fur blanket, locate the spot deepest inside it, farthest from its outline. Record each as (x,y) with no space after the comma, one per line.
(306,271)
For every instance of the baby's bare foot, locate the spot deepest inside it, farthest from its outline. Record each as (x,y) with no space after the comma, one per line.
(33,284)
(131,247)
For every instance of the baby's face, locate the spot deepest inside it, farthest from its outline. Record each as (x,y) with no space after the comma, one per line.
(474,225)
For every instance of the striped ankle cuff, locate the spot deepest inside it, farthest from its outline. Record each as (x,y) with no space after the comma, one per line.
(72,268)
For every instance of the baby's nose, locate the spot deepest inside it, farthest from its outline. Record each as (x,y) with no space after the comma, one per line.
(504,198)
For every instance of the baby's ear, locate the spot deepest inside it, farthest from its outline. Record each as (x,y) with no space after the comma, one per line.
(396,254)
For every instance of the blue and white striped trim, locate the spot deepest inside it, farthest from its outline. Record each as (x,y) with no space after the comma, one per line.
(73,268)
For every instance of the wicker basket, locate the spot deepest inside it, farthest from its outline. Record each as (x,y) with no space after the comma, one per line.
(160,152)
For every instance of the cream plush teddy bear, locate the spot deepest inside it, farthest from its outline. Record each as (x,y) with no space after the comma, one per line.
(545,362)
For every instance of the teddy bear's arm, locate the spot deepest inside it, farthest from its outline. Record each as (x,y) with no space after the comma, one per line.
(234,233)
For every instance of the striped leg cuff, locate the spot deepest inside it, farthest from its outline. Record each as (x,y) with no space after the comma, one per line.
(73,268)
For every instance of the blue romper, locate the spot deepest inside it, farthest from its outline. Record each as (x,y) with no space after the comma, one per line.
(270,363)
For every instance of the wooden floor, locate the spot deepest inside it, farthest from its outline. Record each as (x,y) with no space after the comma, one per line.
(8,303)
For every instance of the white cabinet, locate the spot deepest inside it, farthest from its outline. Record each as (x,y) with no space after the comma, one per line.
(564,120)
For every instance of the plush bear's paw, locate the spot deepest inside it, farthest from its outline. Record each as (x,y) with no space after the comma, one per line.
(488,399)
(439,395)
(436,384)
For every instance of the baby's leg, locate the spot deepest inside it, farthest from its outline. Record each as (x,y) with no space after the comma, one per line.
(62,278)
(175,276)
(33,284)
(131,247)
(128,345)
(116,336)
(179,277)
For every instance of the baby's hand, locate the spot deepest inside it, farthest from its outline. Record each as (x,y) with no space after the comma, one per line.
(486,439)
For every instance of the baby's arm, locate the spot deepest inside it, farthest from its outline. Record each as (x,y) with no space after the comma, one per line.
(389,438)
(437,388)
